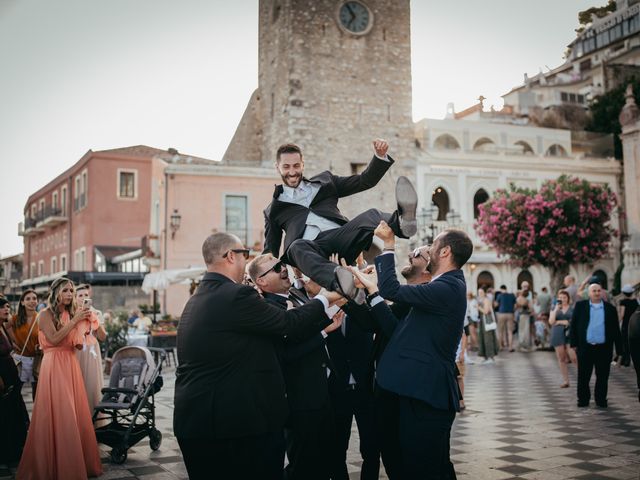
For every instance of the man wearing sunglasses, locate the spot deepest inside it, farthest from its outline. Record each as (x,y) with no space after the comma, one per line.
(304,362)
(306,210)
(230,400)
(418,362)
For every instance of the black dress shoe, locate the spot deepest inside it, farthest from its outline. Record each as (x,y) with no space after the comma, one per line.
(583,404)
(604,404)
(344,283)
(407,200)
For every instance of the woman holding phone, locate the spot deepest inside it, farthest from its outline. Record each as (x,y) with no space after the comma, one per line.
(560,319)
(89,357)
(61,442)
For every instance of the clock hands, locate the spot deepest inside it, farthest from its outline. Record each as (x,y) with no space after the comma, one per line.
(353,15)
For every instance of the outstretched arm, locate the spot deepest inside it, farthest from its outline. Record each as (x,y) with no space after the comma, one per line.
(376,169)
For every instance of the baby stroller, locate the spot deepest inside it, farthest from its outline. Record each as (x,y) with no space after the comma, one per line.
(128,403)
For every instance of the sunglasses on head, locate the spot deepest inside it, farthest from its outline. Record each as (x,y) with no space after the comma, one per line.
(276,268)
(417,253)
(244,251)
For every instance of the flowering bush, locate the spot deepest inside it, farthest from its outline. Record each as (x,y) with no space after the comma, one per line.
(567,221)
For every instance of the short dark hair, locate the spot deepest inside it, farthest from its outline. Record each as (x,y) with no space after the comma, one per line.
(460,244)
(288,148)
(503,287)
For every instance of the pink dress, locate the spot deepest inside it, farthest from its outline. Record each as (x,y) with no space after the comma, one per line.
(61,443)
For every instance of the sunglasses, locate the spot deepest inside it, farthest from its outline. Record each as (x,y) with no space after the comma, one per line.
(244,251)
(276,268)
(417,253)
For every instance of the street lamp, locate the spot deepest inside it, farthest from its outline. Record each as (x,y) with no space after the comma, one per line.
(175,223)
(426,220)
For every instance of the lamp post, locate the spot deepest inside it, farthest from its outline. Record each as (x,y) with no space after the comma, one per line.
(175,223)
(427,222)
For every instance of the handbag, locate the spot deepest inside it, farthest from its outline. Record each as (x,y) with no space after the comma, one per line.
(490,323)
(19,360)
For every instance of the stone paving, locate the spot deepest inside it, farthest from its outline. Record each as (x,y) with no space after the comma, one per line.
(518,424)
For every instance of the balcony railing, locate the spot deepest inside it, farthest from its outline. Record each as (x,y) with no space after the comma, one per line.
(51,216)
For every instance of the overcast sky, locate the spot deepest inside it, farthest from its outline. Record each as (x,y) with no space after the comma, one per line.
(96,74)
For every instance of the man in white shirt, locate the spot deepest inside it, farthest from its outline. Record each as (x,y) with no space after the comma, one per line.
(306,210)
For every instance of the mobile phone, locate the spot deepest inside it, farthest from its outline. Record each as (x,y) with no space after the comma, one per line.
(86,304)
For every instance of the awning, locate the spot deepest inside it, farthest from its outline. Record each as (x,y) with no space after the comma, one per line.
(162,279)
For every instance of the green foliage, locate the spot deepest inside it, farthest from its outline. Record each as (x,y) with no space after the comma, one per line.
(116,336)
(584,17)
(605,110)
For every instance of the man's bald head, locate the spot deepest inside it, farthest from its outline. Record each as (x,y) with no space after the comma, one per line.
(595,293)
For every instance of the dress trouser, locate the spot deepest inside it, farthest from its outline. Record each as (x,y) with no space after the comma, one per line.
(386,420)
(308,435)
(312,256)
(590,357)
(244,458)
(425,434)
(358,403)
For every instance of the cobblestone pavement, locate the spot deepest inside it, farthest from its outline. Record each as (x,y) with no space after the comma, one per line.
(518,424)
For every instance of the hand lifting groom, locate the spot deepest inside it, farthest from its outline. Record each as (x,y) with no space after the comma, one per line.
(307,211)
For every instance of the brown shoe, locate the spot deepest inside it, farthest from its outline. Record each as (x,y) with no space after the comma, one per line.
(564,385)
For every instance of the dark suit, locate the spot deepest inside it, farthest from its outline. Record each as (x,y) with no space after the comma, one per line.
(351,238)
(634,344)
(230,403)
(418,365)
(590,355)
(309,430)
(350,351)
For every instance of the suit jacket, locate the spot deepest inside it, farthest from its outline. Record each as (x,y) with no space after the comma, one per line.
(304,366)
(228,382)
(580,322)
(419,359)
(292,219)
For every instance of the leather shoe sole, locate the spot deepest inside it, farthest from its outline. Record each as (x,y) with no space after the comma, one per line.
(407,200)
(345,285)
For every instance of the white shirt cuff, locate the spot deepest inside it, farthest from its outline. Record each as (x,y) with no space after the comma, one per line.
(324,334)
(323,299)
(386,252)
(384,159)
(376,301)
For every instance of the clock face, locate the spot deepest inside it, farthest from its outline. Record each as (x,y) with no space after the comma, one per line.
(355,17)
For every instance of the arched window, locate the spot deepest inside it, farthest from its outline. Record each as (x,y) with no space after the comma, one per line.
(479,198)
(485,280)
(526,148)
(602,276)
(446,142)
(556,150)
(525,276)
(483,144)
(440,199)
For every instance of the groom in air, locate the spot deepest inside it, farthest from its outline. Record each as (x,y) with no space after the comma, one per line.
(306,210)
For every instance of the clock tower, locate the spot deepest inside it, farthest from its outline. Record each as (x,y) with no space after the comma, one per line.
(333,76)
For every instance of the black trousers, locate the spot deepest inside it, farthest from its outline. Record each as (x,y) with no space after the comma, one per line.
(312,256)
(592,357)
(626,354)
(425,434)
(244,458)
(634,351)
(386,412)
(356,403)
(308,435)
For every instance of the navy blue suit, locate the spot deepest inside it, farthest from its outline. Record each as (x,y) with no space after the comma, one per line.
(418,365)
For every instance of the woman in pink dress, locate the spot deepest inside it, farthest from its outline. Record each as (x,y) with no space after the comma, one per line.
(61,443)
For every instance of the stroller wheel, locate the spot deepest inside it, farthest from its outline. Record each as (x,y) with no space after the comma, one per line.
(118,455)
(155,439)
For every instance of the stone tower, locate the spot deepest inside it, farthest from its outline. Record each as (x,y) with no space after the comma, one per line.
(333,75)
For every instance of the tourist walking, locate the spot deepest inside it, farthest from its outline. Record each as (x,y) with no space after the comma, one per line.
(472,317)
(506,306)
(487,325)
(61,443)
(560,320)
(14,419)
(524,312)
(23,331)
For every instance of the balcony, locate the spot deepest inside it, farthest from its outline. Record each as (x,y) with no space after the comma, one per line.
(51,217)
(29,227)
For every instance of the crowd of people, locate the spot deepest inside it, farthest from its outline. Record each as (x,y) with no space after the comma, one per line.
(55,350)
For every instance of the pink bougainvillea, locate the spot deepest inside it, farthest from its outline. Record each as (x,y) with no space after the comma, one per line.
(567,221)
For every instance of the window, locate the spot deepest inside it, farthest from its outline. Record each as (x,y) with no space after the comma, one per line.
(63,262)
(485,280)
(34,211)
(446,142)
(127,180)
(235,207)
(54,200)
(479,198)
(526,148)
(63,201)
(54,265)
(80,191)
(41,268)
(483,144)
(76,194)
(556,150)
(32,270)
(79,258)
(440,199)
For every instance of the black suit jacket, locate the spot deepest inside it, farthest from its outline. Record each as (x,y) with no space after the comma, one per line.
(291,218)
(228,382)
(304,366)
(419,360)
(580,322)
